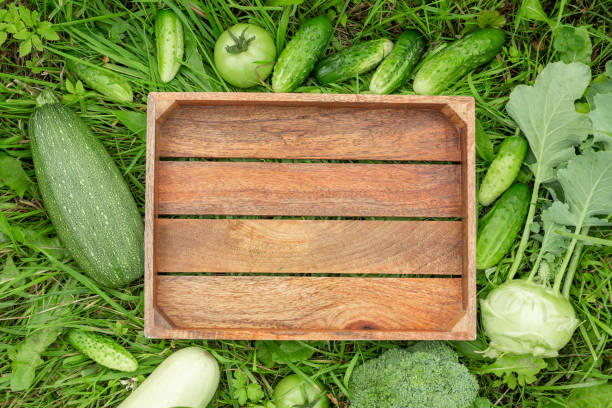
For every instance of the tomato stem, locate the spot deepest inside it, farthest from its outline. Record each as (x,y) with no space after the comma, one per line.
(241,43)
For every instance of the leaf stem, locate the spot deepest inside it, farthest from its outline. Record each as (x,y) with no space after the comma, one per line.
(526,230)
(573,266)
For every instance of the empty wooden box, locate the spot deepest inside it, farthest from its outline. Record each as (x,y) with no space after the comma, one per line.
(310,216)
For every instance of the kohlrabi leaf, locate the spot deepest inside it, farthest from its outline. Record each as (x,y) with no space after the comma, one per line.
(515,369)
(552,242)
(601,117)
(587,184)
(546,114)
(600,85)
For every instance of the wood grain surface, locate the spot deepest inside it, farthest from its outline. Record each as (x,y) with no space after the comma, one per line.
(298,246)
(308,132)
(322,304)
(304,189)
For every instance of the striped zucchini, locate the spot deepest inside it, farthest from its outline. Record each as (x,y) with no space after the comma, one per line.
(169,41)
(88,201)
(352,61)
(393,71)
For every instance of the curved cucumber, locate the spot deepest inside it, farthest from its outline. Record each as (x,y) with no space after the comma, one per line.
(106,82)
(170,44)
(87,199)
(503,170)
(395,68)
(456,60)
(352,61)
(301,53)
(498,229)
(102,350)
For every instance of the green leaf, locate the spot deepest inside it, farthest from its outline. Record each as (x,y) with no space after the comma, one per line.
(38,240)
(484,147)
(79,89)
(587,185)
(546,114)
(26,16)
(574,44)
(601,117)
(69,86)
(491,18)
(9,274)
(133,120)
(282,352)
(46,30)
(599,396)
(13,176)
(532,10)
(254,392)
(37,42)
(552,242)
(25,48)
(515,370)
(3,35)
(22,35)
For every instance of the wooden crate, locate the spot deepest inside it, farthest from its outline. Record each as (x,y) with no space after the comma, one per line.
(390,180)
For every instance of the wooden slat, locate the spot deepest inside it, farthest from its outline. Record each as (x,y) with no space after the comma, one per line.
(325,131)
(297,246)
(308,307)
(303,189)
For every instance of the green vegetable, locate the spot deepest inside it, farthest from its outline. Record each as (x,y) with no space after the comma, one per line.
(498,229)
(515,369)
(453,62)
(352,61)
(521,317)
(187,378)
(102,350)
(428,377)
(545,113)
(104,81)
(397,66)
(88,201)
(244,55)
(503,170)
(170,44)
(295,392)
(301,53)
(484,147)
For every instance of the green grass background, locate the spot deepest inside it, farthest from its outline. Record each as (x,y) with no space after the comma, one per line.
(122,31)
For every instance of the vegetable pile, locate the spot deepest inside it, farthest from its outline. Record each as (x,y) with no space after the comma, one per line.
(72,146)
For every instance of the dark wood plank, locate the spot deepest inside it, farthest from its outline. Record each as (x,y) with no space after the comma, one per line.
(308,307)
(297,246)
(304,189)
(330,131)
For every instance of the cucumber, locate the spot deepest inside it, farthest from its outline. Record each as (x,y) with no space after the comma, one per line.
(498,229)
(396,67)
(102,350)
(88,201)
(503,170)
(484,147)
(352,61)
(106,82)
(170,44)
(301,53)
(462,56)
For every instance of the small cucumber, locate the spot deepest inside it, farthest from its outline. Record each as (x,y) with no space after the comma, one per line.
(301,53)
(395,68)
(102,350)
(170,44)
(498,229)
(104,81)
(484,147)
(352,61)
(503,169)
(462,56)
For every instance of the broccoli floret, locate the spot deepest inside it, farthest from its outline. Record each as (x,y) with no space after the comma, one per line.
(435,347)
(402,378)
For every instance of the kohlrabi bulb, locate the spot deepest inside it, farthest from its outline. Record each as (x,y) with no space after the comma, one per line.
(521,317)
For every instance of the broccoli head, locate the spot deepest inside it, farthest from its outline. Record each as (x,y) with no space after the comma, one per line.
(426,376)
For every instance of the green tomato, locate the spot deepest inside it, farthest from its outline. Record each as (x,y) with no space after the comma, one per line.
(294,392)
(245,55)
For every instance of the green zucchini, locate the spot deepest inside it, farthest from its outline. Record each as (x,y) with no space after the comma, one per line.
(484,147)
(298,58)
(170,44)
(498,229)
(395,68)
(88,201)
(102,350)
(503,170)
(104,81)
(453,62)
(352,61)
